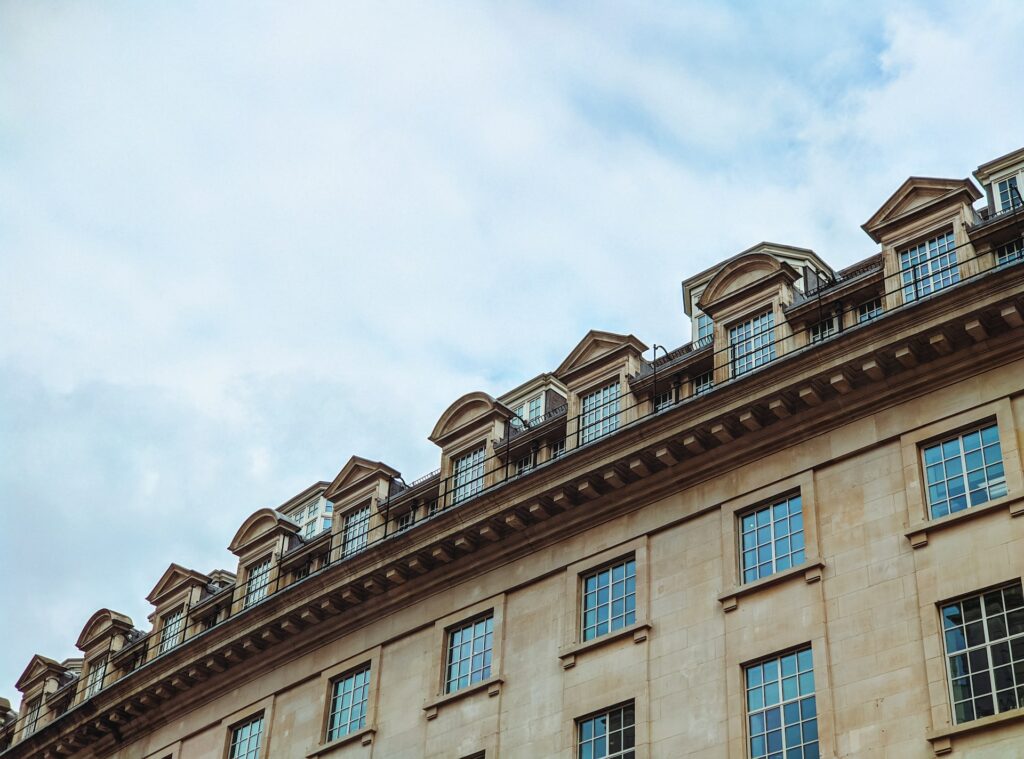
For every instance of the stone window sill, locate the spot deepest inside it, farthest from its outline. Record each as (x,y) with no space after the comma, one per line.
(364,736)
(918,536)
(492,685)
(942,739)
(639,631)
(811,571)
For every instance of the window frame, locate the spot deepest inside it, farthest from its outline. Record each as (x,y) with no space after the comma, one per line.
(625,752)
(1013,200)
(260,745)
(474,474)
(1009,252)
(770,506)
(370,658)
(985,645)
(602,419)
(252,596)
(755,347)
(264,707)
(822,330)
(811,569)
(165,622)
(496,605)
(629,614)
(961,458)
(782,701)
(96,673)
(919,520)
(33,710)
(573,646)
(357,519)
(450,685)
(870,310)
(937,270)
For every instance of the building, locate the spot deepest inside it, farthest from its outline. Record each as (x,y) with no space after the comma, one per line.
(795,536)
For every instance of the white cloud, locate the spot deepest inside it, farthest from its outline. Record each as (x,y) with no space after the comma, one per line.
(242,242)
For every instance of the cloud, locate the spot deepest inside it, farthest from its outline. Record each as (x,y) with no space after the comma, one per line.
(242,242)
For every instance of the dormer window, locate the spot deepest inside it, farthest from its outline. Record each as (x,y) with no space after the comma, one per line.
(257,582)
(752,343)
(172,630)
(929,267)
(313,517)
(97,671)
(529,411)
(357,530)
(1009,194)
(468,475)
(1012,251)
(31,718)
(599,412)
(705,327)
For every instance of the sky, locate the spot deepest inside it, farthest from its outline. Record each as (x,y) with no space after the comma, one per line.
(243,241)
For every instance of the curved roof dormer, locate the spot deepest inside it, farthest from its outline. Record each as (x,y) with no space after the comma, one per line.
(468,412)
(260,525)
(101,625)
(744,277)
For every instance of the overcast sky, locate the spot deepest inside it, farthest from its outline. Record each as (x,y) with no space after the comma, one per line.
(240,242)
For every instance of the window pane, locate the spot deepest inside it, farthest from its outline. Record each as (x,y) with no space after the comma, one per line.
(983,653)
(929,267)
(609,599)
(970,463)
(469,653)
(246,740)
(348,703)
(609,735)
(784,720)
(774,534)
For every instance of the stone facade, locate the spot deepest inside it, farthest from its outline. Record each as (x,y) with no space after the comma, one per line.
(761,500)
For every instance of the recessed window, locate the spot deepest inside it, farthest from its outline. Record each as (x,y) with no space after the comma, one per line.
(1009,195)
(528,411)
(608,735)
(599,412)
(1012,251)
(405,521)
(702,383)
(469,653)
(257,582)
(782,714)
(97,671)
(557,448)
(929,267)
(246,739)
(772,538)
(872,309)
(984,639)
(523,465)
(31,718)
(311,518)
(964,470)
(349,695)
(609,599)
(664,400)
(172,630)
(468,475)
(357,530)
(824,329)
(752,343)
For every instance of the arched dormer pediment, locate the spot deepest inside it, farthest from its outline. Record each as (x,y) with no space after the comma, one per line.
(467,410)
(37,670)
(172,579)
(102,624)
(740,276)
(258,526)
